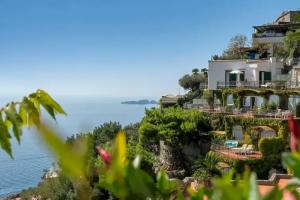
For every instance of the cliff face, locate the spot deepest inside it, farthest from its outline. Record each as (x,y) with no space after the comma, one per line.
(177,161)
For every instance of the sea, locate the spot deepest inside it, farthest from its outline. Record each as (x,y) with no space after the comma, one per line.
(84,113)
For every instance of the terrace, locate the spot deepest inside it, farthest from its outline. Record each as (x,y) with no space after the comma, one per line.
(251,102)
(235,153)
(247,112)
(259,84)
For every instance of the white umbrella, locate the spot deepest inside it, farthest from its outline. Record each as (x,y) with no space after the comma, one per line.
(236,72)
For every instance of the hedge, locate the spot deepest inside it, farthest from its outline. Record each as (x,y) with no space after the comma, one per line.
(271,146)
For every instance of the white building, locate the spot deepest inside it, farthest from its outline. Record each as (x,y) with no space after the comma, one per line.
(275,32)
(239,73)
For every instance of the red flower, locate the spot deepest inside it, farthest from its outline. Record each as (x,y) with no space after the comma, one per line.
(295,136)
(106,157)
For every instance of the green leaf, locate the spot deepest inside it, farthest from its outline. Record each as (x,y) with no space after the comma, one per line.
(32,112)
(23,114)
(274,194)
(49,104)
(15,119)
(71,161)
(292,161)
(253,190)
(5,137)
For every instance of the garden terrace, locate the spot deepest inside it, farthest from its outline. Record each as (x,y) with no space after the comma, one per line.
(259,84)
(229,153)
(239,95)
(246,113)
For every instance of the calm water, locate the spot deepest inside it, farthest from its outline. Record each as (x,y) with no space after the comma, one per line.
(31,158)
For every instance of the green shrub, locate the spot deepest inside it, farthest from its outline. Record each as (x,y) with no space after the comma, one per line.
(106,132)
(272,106)
(175,126)
(251,137)
(271,146)
(209,96)
(53,188)
(260,166)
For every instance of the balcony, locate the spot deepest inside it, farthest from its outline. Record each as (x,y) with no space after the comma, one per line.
(259,84)
(264,35)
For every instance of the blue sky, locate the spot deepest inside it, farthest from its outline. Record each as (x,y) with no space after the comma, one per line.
(134,48)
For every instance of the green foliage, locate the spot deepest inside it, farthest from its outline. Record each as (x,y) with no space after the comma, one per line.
(252,137)
(235,49)
(27,112)
(172,125)
(126,180)
(106,132)
(280,126)
(189,96)
(291,44)
(260,166)
(205,168)
(272,146)
(122,177)
(272,106)
(131,131)
(281,51)
(209,96)
(192,82)
(54,188)
(243,188)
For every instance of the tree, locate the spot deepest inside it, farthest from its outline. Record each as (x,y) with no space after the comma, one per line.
(205,72)
(292,44)
(192,82)
(106,132)
(235,49)
(262,49)
(280,51)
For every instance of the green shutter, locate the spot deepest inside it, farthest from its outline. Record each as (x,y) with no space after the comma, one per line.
(267,76)
(242,76)
(232,77)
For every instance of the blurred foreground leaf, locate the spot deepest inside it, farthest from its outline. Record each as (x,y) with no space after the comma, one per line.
(71,161)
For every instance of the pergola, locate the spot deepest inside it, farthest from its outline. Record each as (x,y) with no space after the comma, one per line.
(240,93)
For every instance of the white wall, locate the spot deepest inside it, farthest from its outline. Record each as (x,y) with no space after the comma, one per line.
(217,69)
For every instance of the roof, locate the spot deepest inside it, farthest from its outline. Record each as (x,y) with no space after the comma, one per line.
(274,26)
(242,60)
(170,98)
(282,24)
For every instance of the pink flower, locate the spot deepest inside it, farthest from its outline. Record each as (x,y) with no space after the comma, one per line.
(295,133)
(287,195)
(106,157)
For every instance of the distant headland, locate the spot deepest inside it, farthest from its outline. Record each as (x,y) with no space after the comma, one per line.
(140,102)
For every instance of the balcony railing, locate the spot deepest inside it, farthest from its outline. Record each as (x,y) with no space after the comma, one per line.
(264,35)
(258,84)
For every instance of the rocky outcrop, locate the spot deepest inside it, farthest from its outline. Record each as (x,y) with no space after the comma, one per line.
(176,160)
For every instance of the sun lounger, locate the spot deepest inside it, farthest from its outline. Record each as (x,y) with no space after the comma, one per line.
(240,150)
(249,149)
